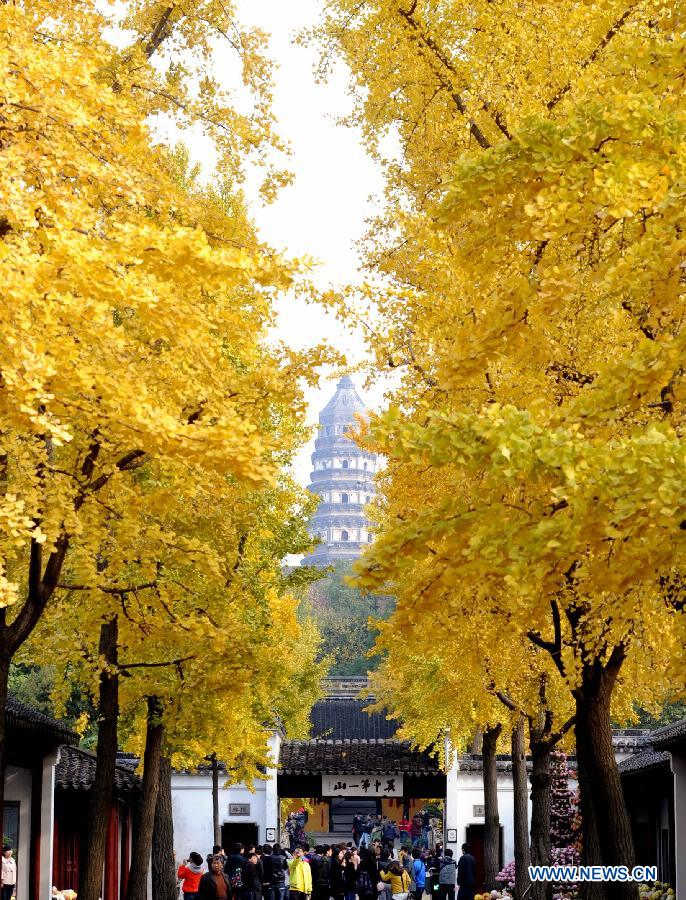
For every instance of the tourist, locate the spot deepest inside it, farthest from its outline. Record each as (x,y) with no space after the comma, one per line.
(357,829)
(321,878)
(399,881)
(351,861)
(406,859)
(252,877)
(315,859)
(233,868)
(466,874)
(426,829)
(447,876)
(367,875)
(267,861)
(389,833)
(215,884)
(366,835)
(9,873)
(189,873)
(418,873)
(278,871)
(404,826)
(217,850)
(338,873)
(300,876)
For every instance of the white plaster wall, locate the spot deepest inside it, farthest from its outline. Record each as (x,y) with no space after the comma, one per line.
(18,790)
(192,811)
(465,791)
(47,822)
(678,763)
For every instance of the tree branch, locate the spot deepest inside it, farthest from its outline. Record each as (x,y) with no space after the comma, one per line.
(160,32)
(124,667)
(557,736)
(565,89)
(429,42)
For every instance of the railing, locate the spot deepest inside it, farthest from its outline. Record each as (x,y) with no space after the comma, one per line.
(327,507)
(345,474)
(344,686)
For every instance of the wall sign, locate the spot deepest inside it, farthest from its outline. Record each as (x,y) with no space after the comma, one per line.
(452,835)
(239,809)
(478,812)
(271,835)
(362,785)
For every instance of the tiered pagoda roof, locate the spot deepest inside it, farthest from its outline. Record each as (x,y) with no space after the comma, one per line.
(343,476)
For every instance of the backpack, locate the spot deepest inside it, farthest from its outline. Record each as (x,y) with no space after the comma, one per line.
(447,872)
(236,878)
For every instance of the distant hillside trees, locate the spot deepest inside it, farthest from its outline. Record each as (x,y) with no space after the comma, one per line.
(345,618)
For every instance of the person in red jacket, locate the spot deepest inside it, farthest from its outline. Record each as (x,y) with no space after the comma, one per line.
(190,871)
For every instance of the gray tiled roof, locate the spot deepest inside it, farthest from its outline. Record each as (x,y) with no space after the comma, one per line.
(646,759)
(355,757)
(341,718)
(75,771)
(26,721)
(473,762)
(629,738)
(669,735)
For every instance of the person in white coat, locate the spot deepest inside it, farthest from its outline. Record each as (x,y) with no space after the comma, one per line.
(9,874)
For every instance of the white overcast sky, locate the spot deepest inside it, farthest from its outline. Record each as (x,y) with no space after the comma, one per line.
(322,213)
(336,186)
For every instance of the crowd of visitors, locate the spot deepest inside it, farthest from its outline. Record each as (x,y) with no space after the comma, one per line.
(405,833)
(373,871)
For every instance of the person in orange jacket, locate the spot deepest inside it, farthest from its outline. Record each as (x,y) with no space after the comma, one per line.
(190,871)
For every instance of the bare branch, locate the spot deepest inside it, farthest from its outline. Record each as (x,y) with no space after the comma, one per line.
(124,667)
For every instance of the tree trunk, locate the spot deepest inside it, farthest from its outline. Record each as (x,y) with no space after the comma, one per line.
(163,869)
(492,828)
(102,792)
(142,844)
(520,784)
(215,801)
(5,662)
(606,825)
(540,812)
(590,851)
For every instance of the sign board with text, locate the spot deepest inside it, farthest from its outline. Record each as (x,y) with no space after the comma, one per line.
(239,809)
(362,785)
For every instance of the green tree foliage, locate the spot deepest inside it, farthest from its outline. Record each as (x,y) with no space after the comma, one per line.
(345,616)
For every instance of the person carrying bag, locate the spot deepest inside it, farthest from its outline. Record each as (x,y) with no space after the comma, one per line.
(399,881)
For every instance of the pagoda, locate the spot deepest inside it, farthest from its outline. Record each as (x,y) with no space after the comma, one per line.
(343,476)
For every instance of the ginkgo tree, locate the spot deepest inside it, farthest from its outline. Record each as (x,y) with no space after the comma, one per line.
(531,251)
(134,308)
(194,609)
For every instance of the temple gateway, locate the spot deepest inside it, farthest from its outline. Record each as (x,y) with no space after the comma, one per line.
(351,764)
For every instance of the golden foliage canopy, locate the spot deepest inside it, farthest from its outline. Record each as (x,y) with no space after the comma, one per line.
(531,262)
